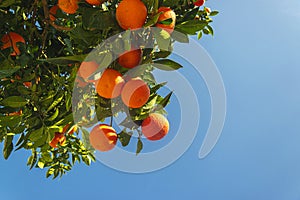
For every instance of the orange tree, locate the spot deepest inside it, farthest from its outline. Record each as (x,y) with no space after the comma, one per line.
(43,45)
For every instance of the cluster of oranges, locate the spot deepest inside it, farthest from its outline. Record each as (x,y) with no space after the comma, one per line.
(104,137)
(134,93)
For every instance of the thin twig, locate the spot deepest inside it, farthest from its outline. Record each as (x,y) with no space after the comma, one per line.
(46,14)
(60,28)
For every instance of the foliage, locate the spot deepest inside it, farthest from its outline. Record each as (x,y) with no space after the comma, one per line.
(36,86)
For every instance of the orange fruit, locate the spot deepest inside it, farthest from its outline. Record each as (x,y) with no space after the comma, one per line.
(110,84)
(58,138)
(130,59)
(155,126)
(131,14)
(17,113)
(94,2)
(27,84)
(87,68)
(103,137)
(167,14)
(199,3)
(68,6)
(10,40)
(135,93)
(207,10)
(52,13)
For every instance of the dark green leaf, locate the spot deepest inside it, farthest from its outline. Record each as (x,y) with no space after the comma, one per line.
(36,134)
(65,60)
(167,65)
(166,100)
(191,27)
(139,146)
(8,146)
(14,101)
(213,13)
(124,137)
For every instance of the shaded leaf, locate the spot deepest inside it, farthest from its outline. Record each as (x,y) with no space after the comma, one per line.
(14,101)
(139,146)
(167,65)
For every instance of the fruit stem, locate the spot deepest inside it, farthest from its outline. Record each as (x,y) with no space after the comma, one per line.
(155,8)
(111,120)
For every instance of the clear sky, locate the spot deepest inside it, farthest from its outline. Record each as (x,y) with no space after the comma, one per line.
(256,48)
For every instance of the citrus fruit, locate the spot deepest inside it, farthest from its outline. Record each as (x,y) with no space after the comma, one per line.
(130,59)
(87,68)
(10,40)
(131,14)
(68,6)
(110,84)
(135,93)
(94,2)
(167,19)
(155,126)
(199,3)
(58,138)
(52,13)
(103,137)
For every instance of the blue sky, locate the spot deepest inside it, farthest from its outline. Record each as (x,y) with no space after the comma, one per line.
(256,48)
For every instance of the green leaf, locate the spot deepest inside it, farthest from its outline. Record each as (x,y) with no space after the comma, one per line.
(8,146)
(65,60)
(7,3)
(157,87)
(213,13)
(54,115)
(153,20)
(180,37)
(200,35)
(164,102)
(167,65)
(163,39)
(14,102)
(7,69)
(36,134)
(55,103)
(32,160)
(161,54)
(124,137)
(41,164)
(191,27)
(86,140)
(139,146)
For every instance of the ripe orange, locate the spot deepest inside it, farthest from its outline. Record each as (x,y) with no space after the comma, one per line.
(103,137)
(167,14)
(58,138)
(155,126)
(131,14)
(130,59)
(17,113)
(94,2)
(207,10)
(135,93)
(68,6)
(110,84)
(27,84)
(10,40)
(87,68)
(52,13)
(199,3)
